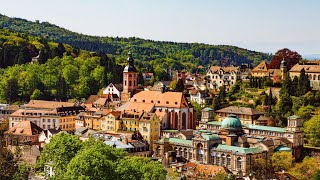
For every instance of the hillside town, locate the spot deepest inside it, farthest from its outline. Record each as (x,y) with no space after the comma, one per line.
(161,123)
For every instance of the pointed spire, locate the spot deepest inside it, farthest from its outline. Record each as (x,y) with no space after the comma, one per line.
(130,58)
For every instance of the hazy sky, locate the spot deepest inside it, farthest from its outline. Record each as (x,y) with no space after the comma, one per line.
(262,25)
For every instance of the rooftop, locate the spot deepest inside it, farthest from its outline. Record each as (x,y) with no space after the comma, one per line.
(180,141)
(265,128)
(240,110)
(238,149)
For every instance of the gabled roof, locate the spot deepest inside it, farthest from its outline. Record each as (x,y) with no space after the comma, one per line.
(101,101)
(26,128)
(167,99)
(228,69)
(262,67)
(91,99)
(240,110)
(136,106)
(48,104)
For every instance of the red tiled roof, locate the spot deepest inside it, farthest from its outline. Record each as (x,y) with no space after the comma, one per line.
(27,128)
(239,110)
(167,99)
(48,104)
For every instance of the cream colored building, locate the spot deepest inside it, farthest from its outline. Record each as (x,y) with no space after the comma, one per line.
(313,72)
(222,76)
(48,114)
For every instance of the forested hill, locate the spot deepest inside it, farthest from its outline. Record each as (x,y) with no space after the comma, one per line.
(147,52)
(20,48)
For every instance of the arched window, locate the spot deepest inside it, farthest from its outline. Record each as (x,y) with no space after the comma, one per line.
(218,159)
(200,152)
(176,119)
(314,77)
(185,153)
(130,75)
(184,120)
(181,151)
(239,163)
(212,158)
(134,82)
(223,160)
(125,82)
(190,154)
(228,161)
(130,84)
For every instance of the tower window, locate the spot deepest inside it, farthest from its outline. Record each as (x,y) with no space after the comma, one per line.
(125,83)
(130,84)
(134,83)
(130,75)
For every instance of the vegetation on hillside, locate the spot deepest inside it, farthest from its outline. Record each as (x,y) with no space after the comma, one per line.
(149,53)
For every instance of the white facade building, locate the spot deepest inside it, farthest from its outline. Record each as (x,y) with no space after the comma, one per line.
(222,76)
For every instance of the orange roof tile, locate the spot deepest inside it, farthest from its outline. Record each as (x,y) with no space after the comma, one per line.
(307,68)
(138,107)
(262,67)
(167,99)
(48,104)
(26,128)
(225,69)
(208,170)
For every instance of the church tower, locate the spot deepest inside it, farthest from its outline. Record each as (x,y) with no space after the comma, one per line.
(283,68)
(130,79)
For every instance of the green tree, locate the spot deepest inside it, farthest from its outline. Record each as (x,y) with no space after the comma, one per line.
(11,90)
(197,108)
(305,112)
(140,168)
(8,165)
(262,169)
(316,176)
(22,172)
(59,152)
(95,160)
(306,169)
(173,85)
(180,86)
(70,74)
(282,160)
(311,130)
(37,94)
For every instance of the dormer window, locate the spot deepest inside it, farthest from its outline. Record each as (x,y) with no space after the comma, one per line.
(175,103)
(143,101)
(151,101)
(158,101)
(167,102)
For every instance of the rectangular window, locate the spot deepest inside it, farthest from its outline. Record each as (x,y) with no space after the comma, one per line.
(43,120)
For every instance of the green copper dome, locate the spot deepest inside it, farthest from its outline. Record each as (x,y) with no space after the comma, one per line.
(231,122)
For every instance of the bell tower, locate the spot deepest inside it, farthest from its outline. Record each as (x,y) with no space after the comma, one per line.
(130,79)
(283,68)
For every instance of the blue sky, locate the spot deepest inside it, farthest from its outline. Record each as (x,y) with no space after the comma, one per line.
(253,24)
